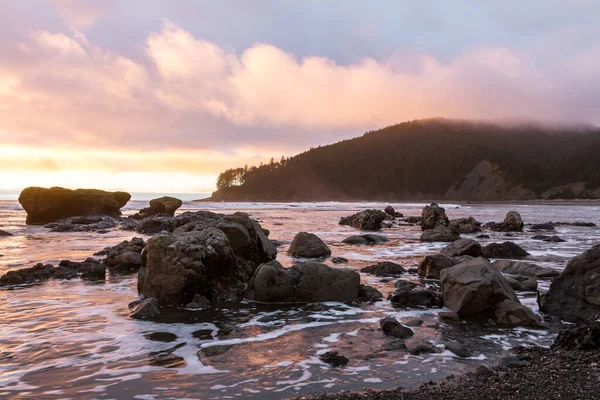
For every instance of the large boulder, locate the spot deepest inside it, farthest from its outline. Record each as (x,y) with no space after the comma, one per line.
(512,223)
(466,225)
(462,247)
(367,220)
(575,294)
(126,256)
(431,266)
(367,239)
(440,234)
(384,268)
(308,245)
(476,289)
(165,205)
(524,269)
(504,250)
(213,258)
(433,216)
(303,283)
(49,205)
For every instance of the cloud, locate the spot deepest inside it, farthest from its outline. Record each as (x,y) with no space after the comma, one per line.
(82,14)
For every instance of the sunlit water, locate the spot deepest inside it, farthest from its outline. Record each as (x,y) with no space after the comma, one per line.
(74,339)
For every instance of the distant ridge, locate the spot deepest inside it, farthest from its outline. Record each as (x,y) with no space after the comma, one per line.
(431,159)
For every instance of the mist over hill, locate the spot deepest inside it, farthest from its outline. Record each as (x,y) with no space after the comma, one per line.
(431,159)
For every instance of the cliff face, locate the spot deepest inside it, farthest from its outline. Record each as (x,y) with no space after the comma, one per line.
(575,190)
(487,182)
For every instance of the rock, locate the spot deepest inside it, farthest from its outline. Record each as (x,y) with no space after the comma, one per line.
(213,257)
(440,234)
(163,205)
(431,266)
(185,222)
(459,349)
(422,348)
(414,322)
(546,238)
(483,236)
(334,359)
(581,337)
(512,223)
(402,284)
(504,250)
(466,225)
(339,260)
(199,302)
(144,309)
(522,283)
(389,210)
(216,350)
(394,344)
(5,234)
(433,216)
(82,224)
(475,288)
(462,247)
(524,269)
(166,359)
(575,190)
(488,182)
(308,245)
(384,268)
(413,220)
(302,283)
(365,239)
(369,294)
(416,298)
(448,316)
(38,272)
(125,257)
(548,226)
(90,269)
(49,205)
(367,220)
(510,313)
(575,294)
(391,327)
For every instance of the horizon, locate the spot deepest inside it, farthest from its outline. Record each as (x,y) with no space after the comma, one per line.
(165,101)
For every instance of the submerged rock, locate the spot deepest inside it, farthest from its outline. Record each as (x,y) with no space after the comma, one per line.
(49,205)
(575,294)
(144,309)
(367,220)
(90,269)
(308,245)
(546,238)
(385,268)
(504,250)
(334,359)
(422,348)
(410,298)
(431,266)
(37,273)
(391,327)
(440,234)
(365,239)
(302,283)
(82,224)
(339,260)
(462,247)
(547,226)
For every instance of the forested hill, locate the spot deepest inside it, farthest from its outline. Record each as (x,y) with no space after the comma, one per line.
(430,159)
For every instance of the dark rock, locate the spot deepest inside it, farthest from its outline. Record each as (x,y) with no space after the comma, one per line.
(431,266)
(448,316)
(466,225)
(391,327)
(575,294)
(522,283)
(385,268)
(504,250)
(414,322)
(163,205)
(369,293)
(339,260)
(212,257)
(302,283)
(440,234)
(423,348)
(188,221)
(277,243)
(546,238)
(402,284)
(90,269)
(216,350)
(524,269)
(416,298)
(459,349)
(82,224)
(308,245)
(365,239)
(548,226)
(582,337)
(49,205)
(367,220)
(167,360)
(5,234)
(38,272)
(334,359)
(389,210)
(164,337)
(125,257)
(199,302)
(413,220)
(144,309)
(462,247)
(483,236)
(475,288)
(433,216)
(512,223)
(394,344)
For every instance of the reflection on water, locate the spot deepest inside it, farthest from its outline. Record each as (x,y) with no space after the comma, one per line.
(73,339)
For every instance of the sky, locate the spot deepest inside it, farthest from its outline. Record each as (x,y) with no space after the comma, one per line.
(162,95)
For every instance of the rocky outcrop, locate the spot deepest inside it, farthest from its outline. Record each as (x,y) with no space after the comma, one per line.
(575,294)
(389,210)
(487,182)
(82,224)
(504,250)
(476,289)
(575,190)
(440,234)
(367,220)
(462,247)
(90,269)
(581,337)
(37,273)
(184,222)
(524,269)
(125,257)
(163,206)
(512,223)
(433,216)
(214,256)
(385,268)
(367,239)
(302,283)
(49,205)
(466,225)
(308,245)
(431,266)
